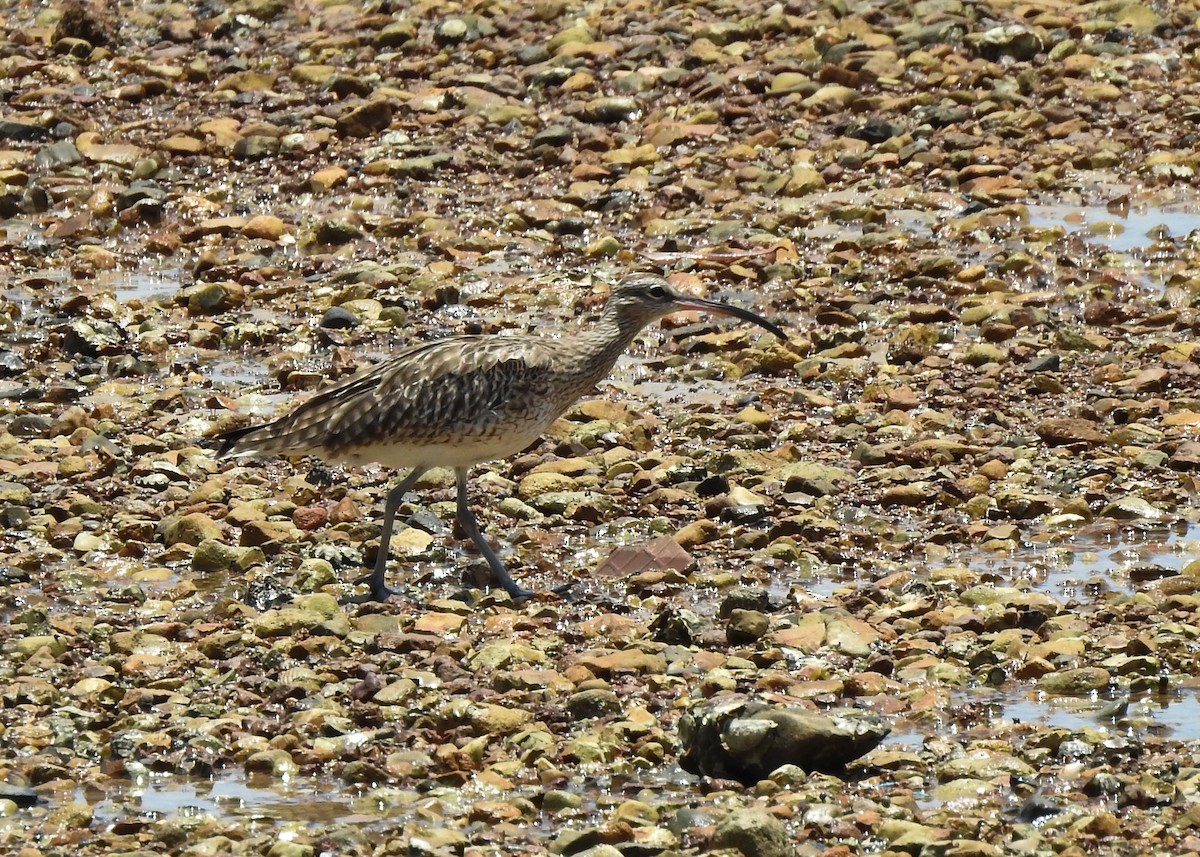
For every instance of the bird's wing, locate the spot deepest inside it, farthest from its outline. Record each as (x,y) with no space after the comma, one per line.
(459,384)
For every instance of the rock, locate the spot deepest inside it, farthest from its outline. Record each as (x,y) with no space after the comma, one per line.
(191,529)
(1064,431)
(623,661)
(536,484)
(745,741)
(908,836)
(753,832)
(90,22)
(789,81)
(20,796)
(616,108)
(256,533)
(1078,681)
(338,318)
(23,132)
(982,353)
(215,555)
(850,636)
(256,147)
(264,226)
(59,154)
(595,702)
(396,34)
(247,81)
(808,477)
(326,179)
(1132,509)
(277,763)
(807,635)
(984,765)
(285,621)
(662,553)
(365,120)
(15,494)
(1014,40)
(1186,456)
(70,816)
(746,626)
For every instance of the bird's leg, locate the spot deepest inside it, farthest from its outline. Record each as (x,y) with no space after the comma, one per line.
(379,590)
(471,527)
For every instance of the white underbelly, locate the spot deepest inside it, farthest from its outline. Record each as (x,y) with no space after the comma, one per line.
(458,452)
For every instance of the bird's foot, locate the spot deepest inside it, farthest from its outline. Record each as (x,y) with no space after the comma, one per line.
(378,591)
(518,594)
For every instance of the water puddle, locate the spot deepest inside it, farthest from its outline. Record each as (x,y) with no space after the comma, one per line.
(229,796)
(1123,231)
(22,232)
(1142,241)
(1174,715)
(1085,566)
(235,373)
(1091,564)
(152,285)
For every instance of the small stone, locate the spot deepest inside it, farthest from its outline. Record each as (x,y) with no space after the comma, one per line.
(595,702)
(396,34)
(788,81)
(15,494)
(754,833)
(1132,508)
(285,621)
(214,555)
(984,765)
(1064,431)
(309,518)
(607,109)
(256,147)
(808,477)
(264,226)
(982,353)
(326,179)
(1077,681)
(338,318)
(746,626)
(365,120)
(277,763)
(247,81)
(191,529)
(71,816)
(1186,456)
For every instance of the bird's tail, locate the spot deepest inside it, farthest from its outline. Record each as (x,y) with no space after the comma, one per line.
(266,439)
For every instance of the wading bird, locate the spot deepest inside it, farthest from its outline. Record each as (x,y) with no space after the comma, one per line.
(463,400)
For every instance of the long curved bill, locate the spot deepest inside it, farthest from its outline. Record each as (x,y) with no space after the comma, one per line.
(721,308)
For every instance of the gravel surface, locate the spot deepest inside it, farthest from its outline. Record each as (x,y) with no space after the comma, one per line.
(950,525)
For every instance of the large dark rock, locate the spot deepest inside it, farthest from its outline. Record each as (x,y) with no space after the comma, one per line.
(732,738)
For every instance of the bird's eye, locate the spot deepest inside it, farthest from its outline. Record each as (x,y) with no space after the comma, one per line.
(657,292)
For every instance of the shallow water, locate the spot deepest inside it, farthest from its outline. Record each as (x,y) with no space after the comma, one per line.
(1084,566)
(1120,232)
(229,795)
(1174,714)
(148,285)
(1142,241)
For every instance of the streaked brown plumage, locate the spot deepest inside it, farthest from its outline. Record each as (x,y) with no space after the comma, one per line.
(463,400)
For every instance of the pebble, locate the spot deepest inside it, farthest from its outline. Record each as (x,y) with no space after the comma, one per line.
(753,833)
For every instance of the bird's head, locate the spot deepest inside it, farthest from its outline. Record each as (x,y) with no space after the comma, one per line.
(642,298)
